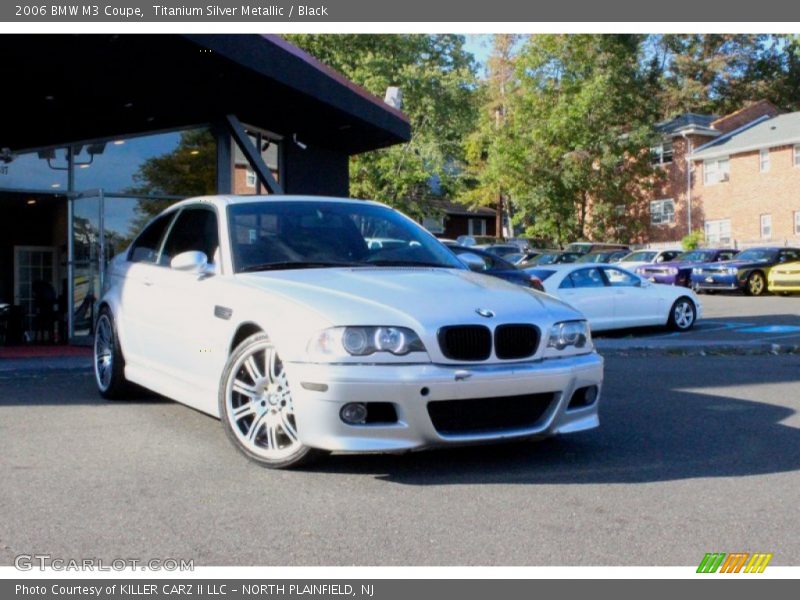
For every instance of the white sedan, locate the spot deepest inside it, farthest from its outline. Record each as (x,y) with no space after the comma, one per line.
(281,317)
(614,298)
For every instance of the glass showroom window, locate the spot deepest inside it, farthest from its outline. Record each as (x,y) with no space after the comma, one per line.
(763,160)
(716,171)
(766,227)
(662,212)
(718,231)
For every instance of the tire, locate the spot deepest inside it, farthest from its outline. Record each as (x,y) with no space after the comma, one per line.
(682,315)
(109,363)
(256,409)
(756,284)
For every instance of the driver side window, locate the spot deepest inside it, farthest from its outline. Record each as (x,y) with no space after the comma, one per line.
(194,229)
(584,278)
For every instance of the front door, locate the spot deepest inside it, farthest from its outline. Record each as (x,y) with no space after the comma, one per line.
(87,264)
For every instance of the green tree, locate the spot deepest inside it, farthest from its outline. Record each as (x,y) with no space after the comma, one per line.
(720,73)
(438,81)
(488,179)
(579,147)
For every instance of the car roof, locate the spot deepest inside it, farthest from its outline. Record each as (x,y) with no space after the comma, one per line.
(221,201)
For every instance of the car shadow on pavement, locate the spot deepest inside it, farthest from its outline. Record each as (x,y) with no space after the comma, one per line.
(650,431)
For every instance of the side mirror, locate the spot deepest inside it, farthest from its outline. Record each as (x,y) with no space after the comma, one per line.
(473,261)
(190,262)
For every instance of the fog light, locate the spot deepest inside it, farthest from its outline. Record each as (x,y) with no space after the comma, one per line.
(583,397)
(354,413)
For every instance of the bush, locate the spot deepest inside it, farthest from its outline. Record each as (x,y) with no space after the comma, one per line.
(693,240)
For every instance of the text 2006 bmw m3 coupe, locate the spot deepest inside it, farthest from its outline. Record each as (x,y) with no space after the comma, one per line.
(279,317)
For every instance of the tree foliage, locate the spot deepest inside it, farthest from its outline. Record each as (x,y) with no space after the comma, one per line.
(438,79)
(576,137)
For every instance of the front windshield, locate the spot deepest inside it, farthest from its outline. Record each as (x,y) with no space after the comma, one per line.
(546,259)
(695,256)
(276,234)
(590,258)
(642,256)
(756,254)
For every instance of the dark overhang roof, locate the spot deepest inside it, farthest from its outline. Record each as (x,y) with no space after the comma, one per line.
(66,88)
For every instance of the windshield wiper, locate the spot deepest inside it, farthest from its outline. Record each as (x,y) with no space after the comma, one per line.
(282,266)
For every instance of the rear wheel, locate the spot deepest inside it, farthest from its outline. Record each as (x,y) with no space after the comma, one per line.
(682,315)
(256,406)
(109,364)
(756,284)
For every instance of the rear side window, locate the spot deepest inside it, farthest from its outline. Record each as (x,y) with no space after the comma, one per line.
(145,248)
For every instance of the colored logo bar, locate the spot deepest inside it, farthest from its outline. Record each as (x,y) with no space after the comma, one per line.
(735,562)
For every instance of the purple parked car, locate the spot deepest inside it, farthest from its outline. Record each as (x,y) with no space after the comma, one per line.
(679,271)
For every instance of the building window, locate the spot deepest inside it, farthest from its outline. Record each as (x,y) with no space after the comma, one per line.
(433,224)
(620,210)
(797,155)
(716,171)
(662,153)
(718,231)
(763,160)
(766,227)
(797,222)
(250,178)
(477,226)
(662,212)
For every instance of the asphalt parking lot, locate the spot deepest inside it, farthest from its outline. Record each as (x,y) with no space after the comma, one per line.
(693,456)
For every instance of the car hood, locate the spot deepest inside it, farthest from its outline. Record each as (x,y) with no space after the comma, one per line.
(792,267)
(425,298)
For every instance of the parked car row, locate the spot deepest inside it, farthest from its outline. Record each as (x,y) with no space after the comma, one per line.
(706,270)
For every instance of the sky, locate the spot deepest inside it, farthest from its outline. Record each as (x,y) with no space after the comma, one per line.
(479,46)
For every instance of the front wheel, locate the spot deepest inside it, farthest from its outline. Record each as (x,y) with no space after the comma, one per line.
(256,407)
(756,284)
(682,315)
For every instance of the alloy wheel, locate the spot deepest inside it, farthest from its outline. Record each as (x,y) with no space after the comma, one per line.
(756,284)
(104,352)
(683,314)
(259,404)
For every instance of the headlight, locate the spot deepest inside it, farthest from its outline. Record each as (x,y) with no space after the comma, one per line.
(732,270)
(339,342)
(697,270)
(672,271)
(569,337)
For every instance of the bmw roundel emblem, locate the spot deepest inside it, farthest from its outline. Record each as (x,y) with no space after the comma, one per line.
(485,312)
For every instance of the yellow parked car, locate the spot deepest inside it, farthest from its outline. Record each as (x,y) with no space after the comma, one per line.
(785,278)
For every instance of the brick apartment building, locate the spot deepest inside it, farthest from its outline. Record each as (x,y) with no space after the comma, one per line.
(736,177)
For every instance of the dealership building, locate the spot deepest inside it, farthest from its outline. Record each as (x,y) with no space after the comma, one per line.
(101,132)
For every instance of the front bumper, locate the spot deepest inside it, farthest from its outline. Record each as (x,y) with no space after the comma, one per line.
(717,282)
(320,425)
(784,283)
